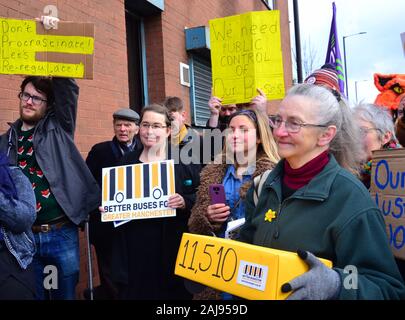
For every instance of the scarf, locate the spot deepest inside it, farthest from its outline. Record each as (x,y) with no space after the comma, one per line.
(297,178)
(176,139)
(365,170)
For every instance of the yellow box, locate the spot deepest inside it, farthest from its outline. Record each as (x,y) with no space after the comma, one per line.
(242,269)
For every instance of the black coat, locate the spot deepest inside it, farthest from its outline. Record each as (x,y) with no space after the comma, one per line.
(146,252)
(103,155)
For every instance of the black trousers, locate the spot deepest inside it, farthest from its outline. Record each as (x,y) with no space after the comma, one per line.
(15,282)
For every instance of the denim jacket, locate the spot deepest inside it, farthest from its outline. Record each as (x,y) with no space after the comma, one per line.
(16,219)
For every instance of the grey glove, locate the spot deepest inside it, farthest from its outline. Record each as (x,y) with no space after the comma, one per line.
(318,283)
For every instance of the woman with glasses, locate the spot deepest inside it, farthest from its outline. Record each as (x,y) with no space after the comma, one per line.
(249,151)
(147,248)
(320,209)
(377,132)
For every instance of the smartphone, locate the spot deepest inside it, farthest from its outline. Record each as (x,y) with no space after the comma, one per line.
(217,193)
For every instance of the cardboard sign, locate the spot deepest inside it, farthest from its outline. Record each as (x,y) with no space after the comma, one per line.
(244,270)
(246,54)
(27,48)
(388,190)
(139,191)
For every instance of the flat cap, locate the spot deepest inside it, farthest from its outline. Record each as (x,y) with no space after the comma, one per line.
(126,114)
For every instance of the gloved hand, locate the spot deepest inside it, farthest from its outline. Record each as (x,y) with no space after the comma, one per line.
(318,283)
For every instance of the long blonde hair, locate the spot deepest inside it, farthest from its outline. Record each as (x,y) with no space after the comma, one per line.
(267,145)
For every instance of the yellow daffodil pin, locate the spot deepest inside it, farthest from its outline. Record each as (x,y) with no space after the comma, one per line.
(270,215)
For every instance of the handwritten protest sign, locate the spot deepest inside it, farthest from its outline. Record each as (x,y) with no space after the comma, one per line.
(388,190)
(27,48)
(139,191)
(246,54)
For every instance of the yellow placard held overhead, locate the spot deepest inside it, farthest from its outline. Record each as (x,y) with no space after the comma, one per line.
(245,55)
(244,270)
(138,191)
(27,48)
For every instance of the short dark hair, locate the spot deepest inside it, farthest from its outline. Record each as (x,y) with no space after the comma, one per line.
(158,108)
(173,104)
(41,84)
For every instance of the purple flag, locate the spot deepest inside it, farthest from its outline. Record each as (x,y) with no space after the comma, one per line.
(333,53)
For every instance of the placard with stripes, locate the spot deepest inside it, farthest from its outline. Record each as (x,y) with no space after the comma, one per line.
(138,191)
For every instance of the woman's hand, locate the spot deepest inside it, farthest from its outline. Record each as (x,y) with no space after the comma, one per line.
(259,102)
(176,201)
(218,212)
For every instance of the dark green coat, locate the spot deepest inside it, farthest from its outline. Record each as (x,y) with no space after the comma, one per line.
(333,217)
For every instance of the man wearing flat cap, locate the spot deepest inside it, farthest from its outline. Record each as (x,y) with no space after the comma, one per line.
(102,155)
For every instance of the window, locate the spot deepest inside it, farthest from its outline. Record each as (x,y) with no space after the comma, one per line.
(200,90)
(138,95)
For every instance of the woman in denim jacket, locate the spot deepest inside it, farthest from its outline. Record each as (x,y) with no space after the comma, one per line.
(17,214)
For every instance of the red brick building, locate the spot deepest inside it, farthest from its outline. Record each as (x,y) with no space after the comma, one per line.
(139,45)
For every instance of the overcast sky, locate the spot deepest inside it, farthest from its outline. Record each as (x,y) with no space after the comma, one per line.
(378,51)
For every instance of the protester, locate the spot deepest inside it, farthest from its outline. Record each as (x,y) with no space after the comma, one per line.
(102,155)
(377,131)
(220,114)
(319,208)
(185,141)
(250,151)
(17,214)
(41,143)
(147,250)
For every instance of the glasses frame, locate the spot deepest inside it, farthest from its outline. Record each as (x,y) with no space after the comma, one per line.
(288,124)
(146,126)
(35,99)
(364,131)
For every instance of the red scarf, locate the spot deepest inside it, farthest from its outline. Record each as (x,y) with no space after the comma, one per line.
(297,178)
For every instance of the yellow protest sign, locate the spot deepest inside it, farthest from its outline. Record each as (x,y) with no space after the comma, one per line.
(139,191)
(242,269)
(27,48)
(245,55)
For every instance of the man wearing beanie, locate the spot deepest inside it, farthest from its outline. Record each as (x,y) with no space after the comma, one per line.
(325,76)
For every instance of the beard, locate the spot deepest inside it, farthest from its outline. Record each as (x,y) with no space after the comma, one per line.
(224,119)
(32,119)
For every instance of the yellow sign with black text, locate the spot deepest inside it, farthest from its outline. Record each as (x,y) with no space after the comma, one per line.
(26,47)
(244,270)
(138,191)
(246,54)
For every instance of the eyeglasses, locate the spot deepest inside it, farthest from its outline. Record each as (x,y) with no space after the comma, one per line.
(154,126)
(25,96)
(292,126)
(364,130)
